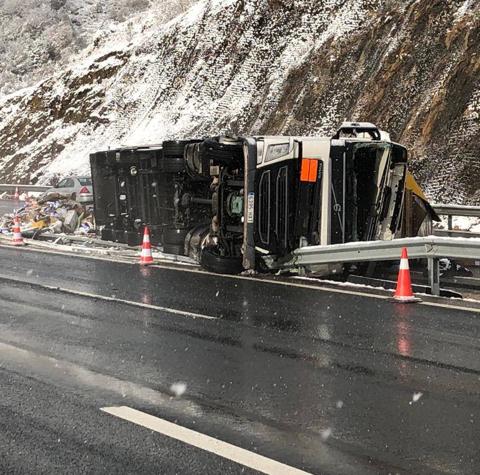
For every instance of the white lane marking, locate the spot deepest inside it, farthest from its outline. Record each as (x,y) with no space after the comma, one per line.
(443,305)
(209,444)
(200,271)
(112,299)
(452,307)
(45,250)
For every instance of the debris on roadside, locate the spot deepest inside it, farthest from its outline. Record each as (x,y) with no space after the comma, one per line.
(51,213)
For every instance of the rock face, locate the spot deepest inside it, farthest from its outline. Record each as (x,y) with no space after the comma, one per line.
(268,67)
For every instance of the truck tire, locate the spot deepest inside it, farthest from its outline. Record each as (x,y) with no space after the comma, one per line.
(212,261)
(174,148)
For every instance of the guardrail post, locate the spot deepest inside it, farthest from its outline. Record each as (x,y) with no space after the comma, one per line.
(434,275)
(450,223)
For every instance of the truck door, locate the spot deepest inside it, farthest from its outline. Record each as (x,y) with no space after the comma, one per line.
(373,190)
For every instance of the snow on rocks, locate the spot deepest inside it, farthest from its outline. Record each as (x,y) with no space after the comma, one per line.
(247,66)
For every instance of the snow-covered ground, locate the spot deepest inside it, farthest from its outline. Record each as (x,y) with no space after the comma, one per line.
(461,223)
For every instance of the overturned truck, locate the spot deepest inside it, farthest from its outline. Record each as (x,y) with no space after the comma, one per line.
(245,203)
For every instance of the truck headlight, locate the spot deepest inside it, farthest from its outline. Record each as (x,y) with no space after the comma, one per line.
(277,151)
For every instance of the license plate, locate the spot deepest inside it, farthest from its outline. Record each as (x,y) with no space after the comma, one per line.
(250,207)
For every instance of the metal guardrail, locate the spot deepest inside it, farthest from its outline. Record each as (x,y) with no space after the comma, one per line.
(457,210)
(23,188)
(432,248)
(364,251)
(455,233)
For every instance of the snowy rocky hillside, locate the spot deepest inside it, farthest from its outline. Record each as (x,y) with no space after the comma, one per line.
(37,36)
(266,66)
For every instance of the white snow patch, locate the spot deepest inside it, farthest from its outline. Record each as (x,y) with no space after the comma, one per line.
(178,388)
(416,397)
(326,434)
(464,9)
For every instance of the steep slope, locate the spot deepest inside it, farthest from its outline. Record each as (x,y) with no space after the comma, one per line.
(37,36)
(258,66)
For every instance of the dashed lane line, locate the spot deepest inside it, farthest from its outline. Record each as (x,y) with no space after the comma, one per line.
(105,298)
(209,444)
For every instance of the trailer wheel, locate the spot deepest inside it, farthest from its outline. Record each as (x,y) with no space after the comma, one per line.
(212,261)
(173,164)
(175,148)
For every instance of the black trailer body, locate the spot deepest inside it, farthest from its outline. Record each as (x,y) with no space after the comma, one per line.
(130,192)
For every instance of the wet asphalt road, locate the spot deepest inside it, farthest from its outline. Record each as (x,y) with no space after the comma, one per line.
(326,381)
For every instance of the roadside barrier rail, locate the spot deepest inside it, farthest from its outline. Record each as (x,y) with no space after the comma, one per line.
(455,233)
(457,210)
(23,188)
(432,248)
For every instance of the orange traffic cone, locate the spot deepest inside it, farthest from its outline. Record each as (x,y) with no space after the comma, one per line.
(146,257)
(404,292)
(17,234)
(16,196)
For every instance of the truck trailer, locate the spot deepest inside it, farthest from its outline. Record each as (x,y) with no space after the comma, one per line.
(244,203)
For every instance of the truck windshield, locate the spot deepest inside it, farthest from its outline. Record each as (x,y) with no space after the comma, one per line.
(367,188)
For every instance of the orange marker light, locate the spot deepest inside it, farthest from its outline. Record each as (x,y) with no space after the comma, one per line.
(309,171)
(312,177)
(305,172)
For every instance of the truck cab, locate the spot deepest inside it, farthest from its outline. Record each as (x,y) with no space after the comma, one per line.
(301,191)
